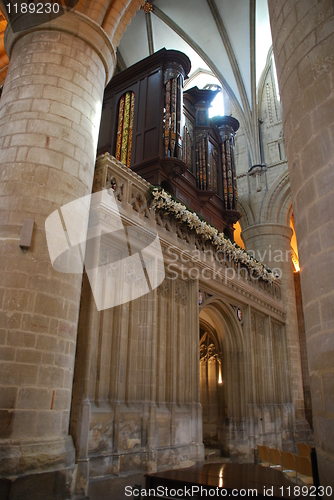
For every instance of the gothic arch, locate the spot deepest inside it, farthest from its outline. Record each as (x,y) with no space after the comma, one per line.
(263,79)
(247,218)
(230,336)
(277,206)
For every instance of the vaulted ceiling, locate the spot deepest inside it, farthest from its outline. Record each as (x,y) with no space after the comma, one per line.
(225,39)
(228,38)
(227,42)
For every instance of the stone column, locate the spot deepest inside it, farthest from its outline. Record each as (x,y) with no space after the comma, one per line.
(303,41)
(270,243)
(49,121)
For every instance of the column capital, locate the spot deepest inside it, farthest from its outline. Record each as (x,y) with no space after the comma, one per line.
(78,25)
(267,229)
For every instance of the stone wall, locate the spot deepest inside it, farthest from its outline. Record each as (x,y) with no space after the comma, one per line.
(303,41)
(136,394)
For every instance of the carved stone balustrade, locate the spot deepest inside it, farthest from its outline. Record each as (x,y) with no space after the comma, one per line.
(133,194)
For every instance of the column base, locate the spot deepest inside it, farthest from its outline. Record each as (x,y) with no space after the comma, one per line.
(50,485)
(27,458)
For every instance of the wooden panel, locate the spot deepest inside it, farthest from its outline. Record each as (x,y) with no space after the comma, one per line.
(153,100)
(137,152)
(105,136)
(151,143)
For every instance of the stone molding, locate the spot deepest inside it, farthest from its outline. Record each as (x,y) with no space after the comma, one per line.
(131,187)
(267,229)
(80,26)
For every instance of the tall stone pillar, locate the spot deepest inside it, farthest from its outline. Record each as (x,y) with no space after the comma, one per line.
(303,41)
(271,244)
(49,121)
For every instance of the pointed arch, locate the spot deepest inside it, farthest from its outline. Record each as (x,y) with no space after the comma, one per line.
(230,337)
(263,79)
(247,218)
(277,203)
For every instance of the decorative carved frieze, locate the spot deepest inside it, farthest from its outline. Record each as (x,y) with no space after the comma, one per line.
(131,190)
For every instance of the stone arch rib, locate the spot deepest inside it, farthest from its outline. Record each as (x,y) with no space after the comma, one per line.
(277,202)
(247,218)
(234,350)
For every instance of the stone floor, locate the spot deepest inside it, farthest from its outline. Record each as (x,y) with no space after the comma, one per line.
(114,488)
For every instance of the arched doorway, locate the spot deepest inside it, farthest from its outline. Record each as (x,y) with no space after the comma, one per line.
(211,385)
(222,379)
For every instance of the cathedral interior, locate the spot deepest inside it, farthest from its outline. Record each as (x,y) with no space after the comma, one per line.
(166,239)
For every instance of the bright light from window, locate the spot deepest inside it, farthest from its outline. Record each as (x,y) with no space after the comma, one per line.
(263,36)
(217,106)
(220,379)
(237,235)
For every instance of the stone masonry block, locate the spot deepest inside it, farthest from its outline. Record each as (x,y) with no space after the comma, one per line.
(62,400)
(54,93)
(34,398)
(44,80)
(46,36)
(7,353)
(30,91)
(14,127)
(48,358)
(323,116)
(65,111)
(64,361)
(3,335)
(81,81)
(8,155)
(28,139)
(46,57)
(49,423)
(76,66)
(326,433)
(67,330)
(51,377)
(326,305)
(81,105)
(30,356)
(303,7)
(21,339)
(320,351)
(49,343)
(35,323)
(328,391)
(327,236)
(319,213)
(33,69)
(45,157)
(45,126)
(24,423)
(65,147)
(13,280)
(10,320)
(18,374)
(8,397)
(71,166)
(70,86)
(6,423)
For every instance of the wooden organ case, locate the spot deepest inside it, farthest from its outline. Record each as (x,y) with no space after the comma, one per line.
(165,135)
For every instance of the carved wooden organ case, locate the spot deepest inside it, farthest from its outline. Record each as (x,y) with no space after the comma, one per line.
(165,135)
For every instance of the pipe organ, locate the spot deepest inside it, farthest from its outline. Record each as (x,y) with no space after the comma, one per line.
(165,135)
